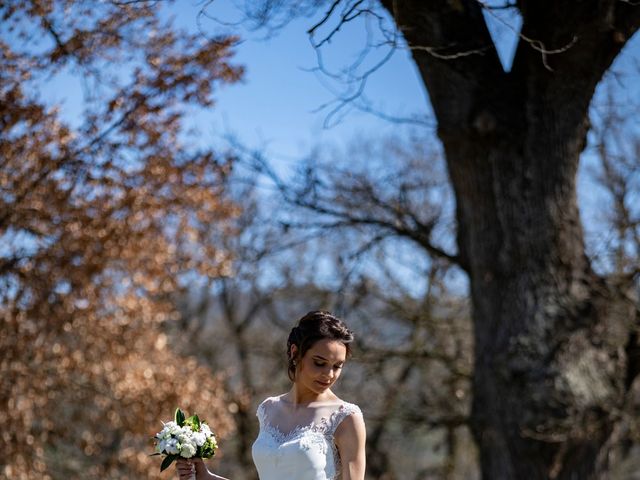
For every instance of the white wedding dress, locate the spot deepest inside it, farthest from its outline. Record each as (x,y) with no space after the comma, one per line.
(296,442)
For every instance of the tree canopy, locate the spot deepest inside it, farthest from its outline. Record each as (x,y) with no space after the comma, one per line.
(99,219)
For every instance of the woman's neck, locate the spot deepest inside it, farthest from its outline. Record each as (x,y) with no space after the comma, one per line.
(300,396)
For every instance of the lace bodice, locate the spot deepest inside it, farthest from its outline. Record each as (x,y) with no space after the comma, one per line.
(296,442)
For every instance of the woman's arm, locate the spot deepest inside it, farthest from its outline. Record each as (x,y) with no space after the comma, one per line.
(350,438)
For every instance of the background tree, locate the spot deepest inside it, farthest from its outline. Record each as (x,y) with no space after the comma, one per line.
(555,340)
(101,218)
(613,235)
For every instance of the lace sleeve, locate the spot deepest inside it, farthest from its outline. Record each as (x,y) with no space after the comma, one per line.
(260,412)
(345,410)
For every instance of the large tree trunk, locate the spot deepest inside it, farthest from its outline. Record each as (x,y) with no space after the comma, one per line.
(550,335)
(549,373)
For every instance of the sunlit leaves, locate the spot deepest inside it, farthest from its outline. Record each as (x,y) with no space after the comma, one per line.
(98,222)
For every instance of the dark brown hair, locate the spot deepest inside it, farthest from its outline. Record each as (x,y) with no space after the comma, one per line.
(314,326)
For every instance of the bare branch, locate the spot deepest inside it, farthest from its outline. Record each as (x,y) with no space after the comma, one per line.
(345,18)
(433,51)
(324,19)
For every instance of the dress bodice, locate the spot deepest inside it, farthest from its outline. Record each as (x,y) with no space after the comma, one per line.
(297,442)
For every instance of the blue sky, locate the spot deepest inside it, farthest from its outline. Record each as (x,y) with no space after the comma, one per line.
(277,103)
(275,107)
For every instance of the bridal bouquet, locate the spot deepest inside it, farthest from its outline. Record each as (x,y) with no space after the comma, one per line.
(186,438)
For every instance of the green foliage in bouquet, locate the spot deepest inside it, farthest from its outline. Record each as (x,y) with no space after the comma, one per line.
(209,448)
(168,460)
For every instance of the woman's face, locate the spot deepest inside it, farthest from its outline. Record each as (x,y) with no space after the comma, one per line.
(321,365)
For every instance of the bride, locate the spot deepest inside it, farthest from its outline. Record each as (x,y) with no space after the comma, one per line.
(307,433)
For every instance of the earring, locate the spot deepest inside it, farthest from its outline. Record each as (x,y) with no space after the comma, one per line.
(294,363)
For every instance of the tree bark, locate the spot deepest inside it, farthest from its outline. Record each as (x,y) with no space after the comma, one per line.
(551,368)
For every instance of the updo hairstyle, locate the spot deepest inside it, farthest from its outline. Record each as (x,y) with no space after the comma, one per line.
(314,326)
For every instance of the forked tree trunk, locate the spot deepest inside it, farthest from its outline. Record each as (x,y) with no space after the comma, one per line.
(551,337)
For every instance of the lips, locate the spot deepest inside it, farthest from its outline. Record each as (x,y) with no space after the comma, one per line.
(322,384)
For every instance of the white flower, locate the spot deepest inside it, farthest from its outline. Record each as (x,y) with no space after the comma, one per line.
(185,435)
(188,450)
(199,438)
(169,429)
(172,446)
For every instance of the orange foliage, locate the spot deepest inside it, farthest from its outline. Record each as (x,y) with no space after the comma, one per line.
(98,223)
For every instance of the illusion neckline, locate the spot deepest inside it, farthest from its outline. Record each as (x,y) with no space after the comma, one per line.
(322,426)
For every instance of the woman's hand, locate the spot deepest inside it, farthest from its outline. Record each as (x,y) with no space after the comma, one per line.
(186,468)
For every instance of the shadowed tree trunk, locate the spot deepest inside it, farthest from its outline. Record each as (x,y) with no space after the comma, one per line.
(551,338)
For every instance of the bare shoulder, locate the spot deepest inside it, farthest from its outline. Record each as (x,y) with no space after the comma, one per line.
(350,439)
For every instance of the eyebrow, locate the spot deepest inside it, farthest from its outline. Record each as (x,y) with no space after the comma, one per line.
(319,357)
